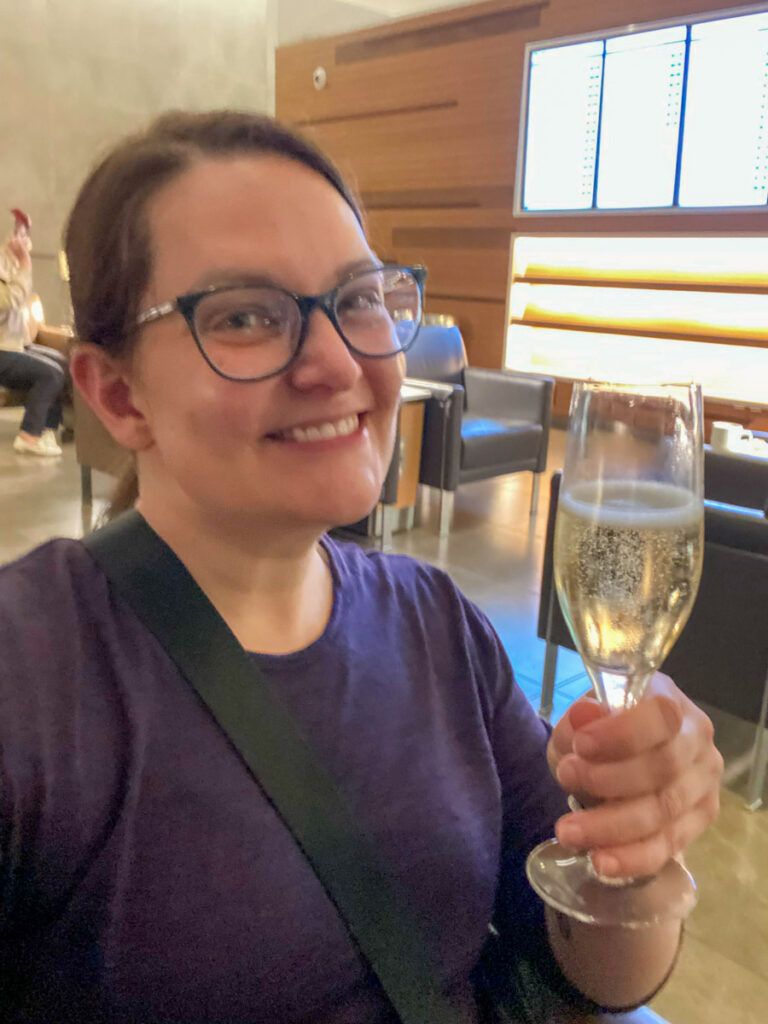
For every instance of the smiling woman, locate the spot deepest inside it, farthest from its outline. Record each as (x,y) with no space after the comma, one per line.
(241,338)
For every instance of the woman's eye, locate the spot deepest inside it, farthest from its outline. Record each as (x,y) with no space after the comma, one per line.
(361,301)
(249,320)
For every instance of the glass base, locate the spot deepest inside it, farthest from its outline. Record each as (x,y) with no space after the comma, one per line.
(568,882)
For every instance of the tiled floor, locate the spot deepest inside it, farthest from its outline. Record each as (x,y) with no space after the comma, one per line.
(494,555)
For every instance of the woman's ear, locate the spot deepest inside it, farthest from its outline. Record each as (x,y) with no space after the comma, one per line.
(107,385)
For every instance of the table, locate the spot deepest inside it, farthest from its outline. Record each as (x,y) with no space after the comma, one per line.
(411,428)
(405,464)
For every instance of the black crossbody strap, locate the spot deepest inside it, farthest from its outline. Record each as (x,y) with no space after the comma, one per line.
(165,597)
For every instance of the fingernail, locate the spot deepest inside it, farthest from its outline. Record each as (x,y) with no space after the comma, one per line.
(567,775)
(608,865)
(585,745)
(672,713)
(570,834)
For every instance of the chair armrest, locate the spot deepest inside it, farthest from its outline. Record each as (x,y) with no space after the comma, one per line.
(59,338)
(745,529)
(735,479)
(509,395)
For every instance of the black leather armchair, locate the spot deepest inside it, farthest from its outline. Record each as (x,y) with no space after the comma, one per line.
(488,424)
(736,479)
(721,656)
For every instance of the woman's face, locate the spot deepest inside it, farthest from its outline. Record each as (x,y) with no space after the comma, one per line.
(232,448)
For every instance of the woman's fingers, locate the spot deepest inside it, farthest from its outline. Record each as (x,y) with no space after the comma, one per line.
(585,710)
(642,773)
(649,724)
(646,857)
(654,767)
(653,816)
(591,732)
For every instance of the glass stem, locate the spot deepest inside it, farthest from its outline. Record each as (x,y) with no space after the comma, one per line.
(617,691)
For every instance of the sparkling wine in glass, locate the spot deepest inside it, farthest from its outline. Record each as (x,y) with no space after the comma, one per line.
(627,561)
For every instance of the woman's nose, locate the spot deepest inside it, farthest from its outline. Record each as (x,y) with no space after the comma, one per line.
(325,359)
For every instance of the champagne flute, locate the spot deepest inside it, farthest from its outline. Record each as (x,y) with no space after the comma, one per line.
(629,540)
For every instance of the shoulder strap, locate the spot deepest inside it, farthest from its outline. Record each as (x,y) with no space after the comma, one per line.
(165,597)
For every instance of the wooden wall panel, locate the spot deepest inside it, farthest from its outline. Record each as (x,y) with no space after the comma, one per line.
(423,114)
(475,274)
(399,151)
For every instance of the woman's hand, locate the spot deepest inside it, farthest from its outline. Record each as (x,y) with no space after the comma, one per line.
(20,252)
(655,770)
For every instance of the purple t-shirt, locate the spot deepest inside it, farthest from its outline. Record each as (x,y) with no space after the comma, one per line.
(145,877)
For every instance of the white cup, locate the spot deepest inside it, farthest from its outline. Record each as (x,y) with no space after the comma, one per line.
(727,437)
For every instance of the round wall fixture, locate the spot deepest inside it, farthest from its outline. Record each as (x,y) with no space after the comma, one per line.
(319,78)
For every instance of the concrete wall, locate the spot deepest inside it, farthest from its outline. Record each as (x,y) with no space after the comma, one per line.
(299,20)
(76,75)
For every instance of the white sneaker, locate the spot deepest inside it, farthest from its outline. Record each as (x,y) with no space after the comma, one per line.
(35,446)
(50,442)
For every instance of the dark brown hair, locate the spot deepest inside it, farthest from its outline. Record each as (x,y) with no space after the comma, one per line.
(107,236)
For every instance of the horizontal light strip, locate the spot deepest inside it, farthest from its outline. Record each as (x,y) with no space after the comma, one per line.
(666,260)
(727,372)
(682,314)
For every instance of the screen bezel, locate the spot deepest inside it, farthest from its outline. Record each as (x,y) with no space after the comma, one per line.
(546,44)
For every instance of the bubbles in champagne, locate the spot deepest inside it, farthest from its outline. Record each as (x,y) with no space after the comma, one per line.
(627,566)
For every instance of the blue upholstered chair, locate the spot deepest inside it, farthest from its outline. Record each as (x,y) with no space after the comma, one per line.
(485,423)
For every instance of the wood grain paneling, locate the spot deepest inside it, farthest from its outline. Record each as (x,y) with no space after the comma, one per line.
(475,199)
(465,273)
(422,114)
(386,142)
(453,238)
(472,26)
(362,115)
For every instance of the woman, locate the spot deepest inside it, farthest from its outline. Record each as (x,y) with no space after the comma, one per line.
(146,877)
(25,365)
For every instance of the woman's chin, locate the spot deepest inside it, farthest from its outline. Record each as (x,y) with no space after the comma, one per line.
(350,514)
(344,512)
(339,504)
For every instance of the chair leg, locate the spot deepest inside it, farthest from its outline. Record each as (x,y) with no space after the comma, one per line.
(387,515)
(759,757)
(535,493)
(86,499)
(86,486)
(446,512)
(548,680)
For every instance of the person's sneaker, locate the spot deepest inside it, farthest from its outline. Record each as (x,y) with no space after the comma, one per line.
(35,446)
(50,442)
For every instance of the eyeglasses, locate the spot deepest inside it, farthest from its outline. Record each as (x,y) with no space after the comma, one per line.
(251,332)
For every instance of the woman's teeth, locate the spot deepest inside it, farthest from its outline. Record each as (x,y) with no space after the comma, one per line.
(323,431)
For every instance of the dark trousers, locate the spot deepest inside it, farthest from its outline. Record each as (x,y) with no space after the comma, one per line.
(44,372)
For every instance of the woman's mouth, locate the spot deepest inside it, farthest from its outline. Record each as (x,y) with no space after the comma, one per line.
(327,431)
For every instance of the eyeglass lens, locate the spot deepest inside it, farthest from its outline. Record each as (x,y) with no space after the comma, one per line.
(253,332)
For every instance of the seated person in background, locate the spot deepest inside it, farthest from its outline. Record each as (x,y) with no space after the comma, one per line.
(23,364)
(237,333)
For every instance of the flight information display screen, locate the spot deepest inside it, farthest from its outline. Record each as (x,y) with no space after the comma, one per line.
(724,140)
(670,117)
(564,110)
(640,126)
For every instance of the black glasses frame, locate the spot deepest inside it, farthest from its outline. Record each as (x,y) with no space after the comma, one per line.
(187,305)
